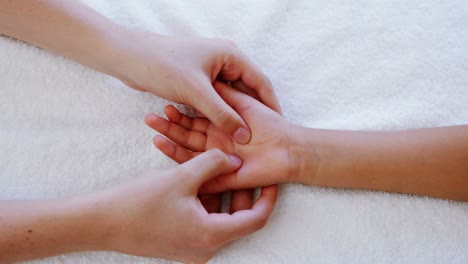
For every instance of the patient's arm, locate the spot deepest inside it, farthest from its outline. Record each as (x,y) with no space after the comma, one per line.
(432,161)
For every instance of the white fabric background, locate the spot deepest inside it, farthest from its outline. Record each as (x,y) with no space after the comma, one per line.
(364,64)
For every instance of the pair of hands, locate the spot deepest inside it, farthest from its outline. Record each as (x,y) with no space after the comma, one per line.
(198,144)
(160,215)
(185,71)
(172,219)
(266,158)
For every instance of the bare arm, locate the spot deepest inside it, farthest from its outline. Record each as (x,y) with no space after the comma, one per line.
(140,217)
(180,69)
(35,229)
(68,28)
(432,161)
(38,229)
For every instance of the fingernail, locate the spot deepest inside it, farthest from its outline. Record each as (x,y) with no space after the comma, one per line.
(235,159)
(242,135)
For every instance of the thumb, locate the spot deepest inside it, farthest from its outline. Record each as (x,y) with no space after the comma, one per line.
(222,115)
(208,165)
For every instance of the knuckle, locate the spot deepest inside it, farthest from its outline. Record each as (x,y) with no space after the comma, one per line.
(233,57)
(232,53)
(225,45)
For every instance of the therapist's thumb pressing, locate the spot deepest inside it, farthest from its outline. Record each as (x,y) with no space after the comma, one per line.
(211,164)
(224,117)
(241,135)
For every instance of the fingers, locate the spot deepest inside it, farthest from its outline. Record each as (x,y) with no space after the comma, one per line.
(238,67)
(211,202)
(241,200)
(228,182)
(175,116)
(175,152)
(244,222)
(190,123)
(243,178)
(193,140)
(208,165)
(221,115)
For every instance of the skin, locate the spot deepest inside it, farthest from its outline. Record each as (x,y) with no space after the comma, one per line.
(153,215)
(431,162)
(180,69)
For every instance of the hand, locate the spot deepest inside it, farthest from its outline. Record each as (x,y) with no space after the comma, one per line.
(159,214)
(266,159)
(183,70)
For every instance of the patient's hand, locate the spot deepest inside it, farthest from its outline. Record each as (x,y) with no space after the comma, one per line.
(265,159)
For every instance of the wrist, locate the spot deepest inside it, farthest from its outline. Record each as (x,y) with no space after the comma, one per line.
(304,154)
(126,57)
(113,52)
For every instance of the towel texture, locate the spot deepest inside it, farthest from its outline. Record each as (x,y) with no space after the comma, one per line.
(361,65)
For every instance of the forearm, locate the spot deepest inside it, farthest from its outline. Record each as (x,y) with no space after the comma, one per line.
(432,162)
(68,28)
(38,229)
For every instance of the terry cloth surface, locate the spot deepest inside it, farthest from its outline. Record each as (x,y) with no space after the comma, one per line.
(361,65)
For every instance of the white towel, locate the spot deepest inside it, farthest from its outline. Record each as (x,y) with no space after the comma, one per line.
(363,65)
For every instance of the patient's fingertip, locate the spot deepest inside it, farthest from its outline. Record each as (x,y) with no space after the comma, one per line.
(159,141)
(172,113)
(150,118)
(165,146)
(273,191)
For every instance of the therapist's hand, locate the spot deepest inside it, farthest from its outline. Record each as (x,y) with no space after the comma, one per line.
(159,214)
(155,215)
(183,70)
(180,69)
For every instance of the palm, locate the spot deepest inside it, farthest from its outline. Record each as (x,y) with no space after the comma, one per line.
(265,158)
(215,138)
(207,137)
